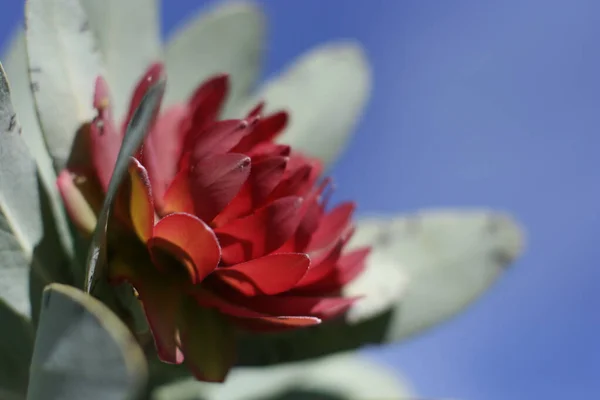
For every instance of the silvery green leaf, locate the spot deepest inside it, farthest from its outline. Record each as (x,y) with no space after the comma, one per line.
(22,99)
(83,351)
(16,348)
(136,131)
(448,258)
(128,34)
(228,38)
(325,91)
(340,377)
(21,225)
(64,62)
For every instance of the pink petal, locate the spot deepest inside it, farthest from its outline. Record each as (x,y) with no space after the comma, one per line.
(189,240)
(154,73)
(105,139)
(163,148)
(215,181)
(271,274)
(265,130)
(259,233)
(206,102)
(78,208)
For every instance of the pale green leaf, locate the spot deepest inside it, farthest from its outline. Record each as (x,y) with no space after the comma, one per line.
(228,38)
(325,91)
(64,62)
(128,34)
(83,351)
(339,377)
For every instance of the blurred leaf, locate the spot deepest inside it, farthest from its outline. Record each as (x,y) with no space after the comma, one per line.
(64,62)
(325,91)
(449,258)
(339,377)
(227,38)
(83,351)
(136,131)
(16,348)
(128,35)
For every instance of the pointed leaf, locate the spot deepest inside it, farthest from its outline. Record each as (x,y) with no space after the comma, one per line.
(138,128)
(444,259)
(226,39)
(16,67)
(324,91)
(128,35)
(83,351)
(21,224)
(63,63)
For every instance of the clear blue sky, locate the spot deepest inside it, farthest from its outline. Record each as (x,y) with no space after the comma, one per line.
(477,103)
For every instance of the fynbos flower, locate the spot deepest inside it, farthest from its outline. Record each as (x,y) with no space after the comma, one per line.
(216,225)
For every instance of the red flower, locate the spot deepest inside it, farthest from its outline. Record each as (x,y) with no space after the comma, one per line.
(217,226)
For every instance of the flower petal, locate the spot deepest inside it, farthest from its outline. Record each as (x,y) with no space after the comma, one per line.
(190,240)
(163,148)
(63,64)
(79,210)
(141,205)
(161,300)
(215,181)
(265,130)
(207,101)
(259,233)
(208,342)
(178,197)
(128,35)
(154,73)
(221,137)
(272,274)
(290,305)
(225,39)
(105,139)
(333,226)
(324,91)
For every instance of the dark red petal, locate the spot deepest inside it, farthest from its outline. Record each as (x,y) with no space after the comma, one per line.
(322,267)
(332,226)
(163,148)
(190,241)
(105,139)
(265,130)
(178,197)
(316,306)
(206,102)
(259,233)
(208,342)
(252,319)
(271,274)
(162,304)
(348,267)
(257,110)
(141,205)
(215,181)
(154,73)
(219,137)
(269,149)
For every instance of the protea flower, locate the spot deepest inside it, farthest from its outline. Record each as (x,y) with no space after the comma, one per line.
(230,221)
(448,258)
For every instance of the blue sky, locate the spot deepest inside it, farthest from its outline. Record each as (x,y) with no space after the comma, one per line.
(477,103)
